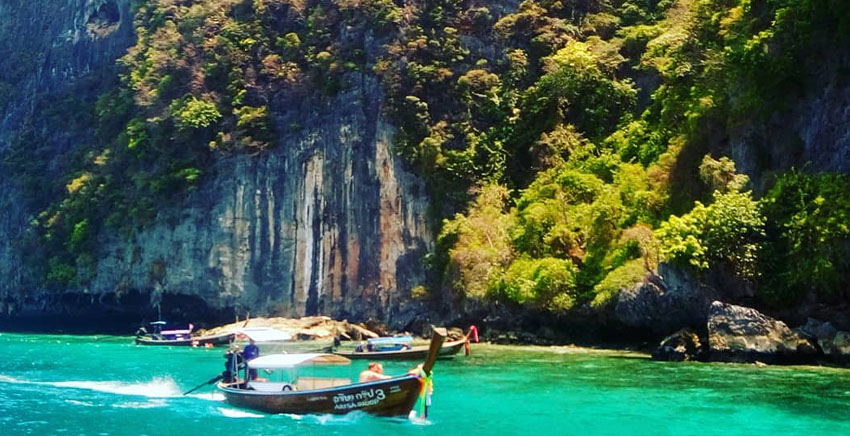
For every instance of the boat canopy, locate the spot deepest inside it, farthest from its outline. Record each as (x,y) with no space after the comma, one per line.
(392,341)
(176,332)
(264,334)
(280,361)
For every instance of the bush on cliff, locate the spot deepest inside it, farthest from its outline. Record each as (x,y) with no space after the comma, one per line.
(808,236)
(729,231)
(546,283)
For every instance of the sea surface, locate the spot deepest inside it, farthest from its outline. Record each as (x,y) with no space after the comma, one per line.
(106,385)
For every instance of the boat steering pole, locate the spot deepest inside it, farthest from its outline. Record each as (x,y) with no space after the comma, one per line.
(209,382)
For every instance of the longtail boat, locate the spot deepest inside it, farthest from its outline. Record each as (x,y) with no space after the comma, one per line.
(294,394)
(399,348)
(180,337)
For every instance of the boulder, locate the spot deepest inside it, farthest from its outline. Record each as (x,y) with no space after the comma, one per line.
(454,333)
(683,345)
(834,344)
(840,349)
(819,330)
(666,302)
(742,334)
(377,326)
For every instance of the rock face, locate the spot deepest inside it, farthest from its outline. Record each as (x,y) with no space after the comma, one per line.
(326,222)
(815,132)
(665,303)
(683,345)
(834,344)
(741,334)
(48,49)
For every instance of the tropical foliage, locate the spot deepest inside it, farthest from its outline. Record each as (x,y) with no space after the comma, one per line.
(568,146)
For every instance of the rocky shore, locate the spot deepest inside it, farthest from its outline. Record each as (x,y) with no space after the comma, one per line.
(304,329)
(708,329)
(311,328)
(699,319)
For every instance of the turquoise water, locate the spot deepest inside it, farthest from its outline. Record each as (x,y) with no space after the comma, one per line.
(87,385)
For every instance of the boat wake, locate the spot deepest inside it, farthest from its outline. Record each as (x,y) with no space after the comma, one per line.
(232,413)
(156,388)
(210,396)
(328,419)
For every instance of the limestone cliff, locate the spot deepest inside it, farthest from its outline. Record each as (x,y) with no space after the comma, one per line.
(47,49)
(325,222)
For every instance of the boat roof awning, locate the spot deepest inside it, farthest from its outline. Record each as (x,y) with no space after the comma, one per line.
(392,340)
(176,332)
(264,334)
(280,361)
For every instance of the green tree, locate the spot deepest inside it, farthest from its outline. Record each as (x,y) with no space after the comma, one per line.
(729,231)
(808,229)
(195,113)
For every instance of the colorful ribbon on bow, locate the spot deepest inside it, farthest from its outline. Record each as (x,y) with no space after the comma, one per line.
(425,394)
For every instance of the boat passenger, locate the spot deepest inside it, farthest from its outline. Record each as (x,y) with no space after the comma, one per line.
(375,372)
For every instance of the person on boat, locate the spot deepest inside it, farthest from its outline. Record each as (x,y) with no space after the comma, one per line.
(374,372)
(417,370)
(251,352)
(233,362)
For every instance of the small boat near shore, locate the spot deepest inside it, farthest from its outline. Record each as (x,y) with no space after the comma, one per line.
(401,348)
(180,337)
(294,393)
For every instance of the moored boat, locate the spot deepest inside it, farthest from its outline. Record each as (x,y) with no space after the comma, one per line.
(296,394)
(192,341)
(400,348)
(180,337)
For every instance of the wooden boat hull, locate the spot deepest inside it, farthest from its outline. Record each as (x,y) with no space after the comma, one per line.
(448,351)
(200,341)
(390,397)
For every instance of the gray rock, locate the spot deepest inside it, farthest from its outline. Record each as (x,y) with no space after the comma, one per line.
(742,334)
(817,329)
(683,345)
(841,345)
(666,302)
(834,344)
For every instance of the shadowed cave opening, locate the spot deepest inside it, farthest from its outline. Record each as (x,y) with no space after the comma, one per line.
(105,19)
